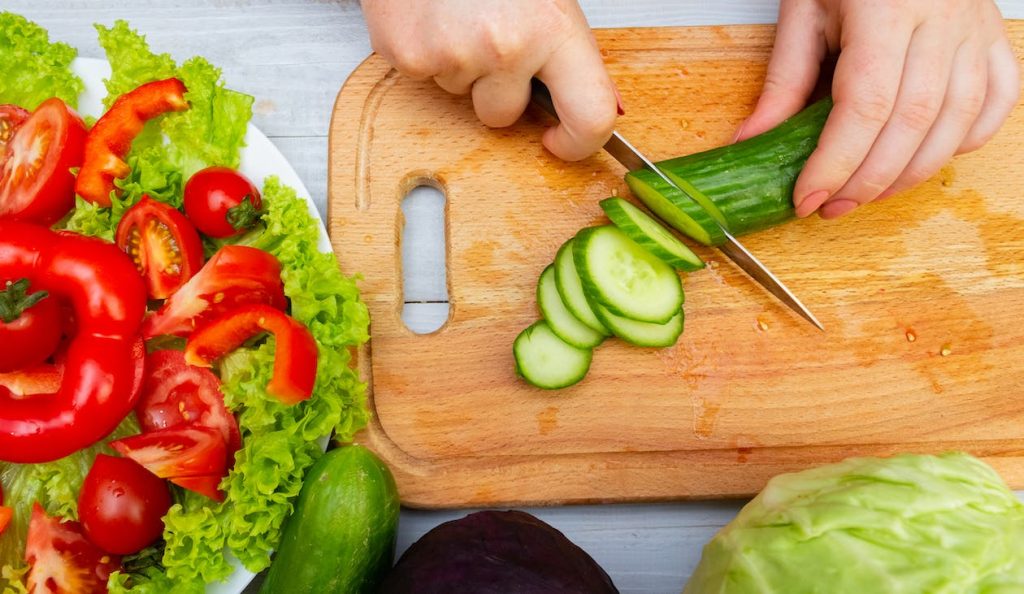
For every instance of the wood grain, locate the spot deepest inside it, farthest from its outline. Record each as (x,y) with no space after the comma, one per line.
(750,390)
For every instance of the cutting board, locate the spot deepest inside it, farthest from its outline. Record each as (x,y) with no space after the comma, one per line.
(922,297)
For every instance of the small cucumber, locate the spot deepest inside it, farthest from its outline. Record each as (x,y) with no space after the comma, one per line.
(624,277)
(651,235)
(571,289)
(561,321)
(642,333)
(341,537)
(547,361)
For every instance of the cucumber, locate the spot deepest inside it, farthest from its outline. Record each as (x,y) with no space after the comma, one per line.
(624,277)
(750,182)
(571,289)
(642,333)
(651,235)
(341,537)
(666,201)
(547,361)
(561,321)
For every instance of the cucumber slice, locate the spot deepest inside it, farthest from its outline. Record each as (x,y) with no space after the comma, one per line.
(624,277)
(547,361)
(561,321)
(651,235)
(666,201)
(642,333)
(571,289)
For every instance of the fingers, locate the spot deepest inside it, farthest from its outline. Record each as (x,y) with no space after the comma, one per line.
(925,79)
(793,70)
(500,98)
(865,88)
(584,97)
(1002,95)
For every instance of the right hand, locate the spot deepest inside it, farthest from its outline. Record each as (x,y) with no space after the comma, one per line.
(492,48)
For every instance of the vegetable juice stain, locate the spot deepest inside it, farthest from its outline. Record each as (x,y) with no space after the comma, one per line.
(547,420)
(705,415)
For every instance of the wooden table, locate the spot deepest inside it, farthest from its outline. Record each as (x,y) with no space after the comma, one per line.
(293,56)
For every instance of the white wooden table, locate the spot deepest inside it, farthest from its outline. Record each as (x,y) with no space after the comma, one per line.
(293,56)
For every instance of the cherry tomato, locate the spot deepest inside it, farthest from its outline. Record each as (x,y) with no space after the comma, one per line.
(222,202)
(11,118)
(36,183)
(62,560)
(30,326)
(178,452)
(176,394)
(122,505)
(163,244)
(295,351)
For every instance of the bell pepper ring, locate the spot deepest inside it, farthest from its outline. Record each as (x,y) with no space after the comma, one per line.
(104,358)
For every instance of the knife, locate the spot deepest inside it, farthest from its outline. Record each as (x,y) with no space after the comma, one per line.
(626,154)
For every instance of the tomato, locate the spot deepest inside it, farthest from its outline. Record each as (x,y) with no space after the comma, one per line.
(11,118)
(163,245)
(222,202)
(122,505)
(204,485)
(30,326)
(177,452)
(62,560)
(236,275)
(175,394)
(36,183)
(5,513)
(295,350)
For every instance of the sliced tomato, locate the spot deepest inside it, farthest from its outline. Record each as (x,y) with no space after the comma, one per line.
(62,560)
(172,453)
(204,485)
(164,246)
(177,394)
(42,379)
(36,183)
(295,354)
(236,275)
(11,118)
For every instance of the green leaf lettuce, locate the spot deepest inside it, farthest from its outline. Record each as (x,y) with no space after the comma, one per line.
(34,69)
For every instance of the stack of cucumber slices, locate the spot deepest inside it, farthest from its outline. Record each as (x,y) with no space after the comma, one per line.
(612,280)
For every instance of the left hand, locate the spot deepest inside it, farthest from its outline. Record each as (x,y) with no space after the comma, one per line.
(916,82)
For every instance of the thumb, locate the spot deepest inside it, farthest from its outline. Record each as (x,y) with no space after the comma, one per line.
(793,70)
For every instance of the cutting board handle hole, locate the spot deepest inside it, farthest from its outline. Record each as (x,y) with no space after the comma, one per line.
(424,242)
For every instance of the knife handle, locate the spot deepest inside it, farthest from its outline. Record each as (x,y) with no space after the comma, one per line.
(541,97)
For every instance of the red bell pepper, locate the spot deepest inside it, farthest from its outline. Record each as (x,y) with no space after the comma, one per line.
(103,361)
(112,135)
(295,355)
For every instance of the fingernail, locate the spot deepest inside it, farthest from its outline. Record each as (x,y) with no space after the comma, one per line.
(810,202)
(739,131)
(837,208)
(618,102)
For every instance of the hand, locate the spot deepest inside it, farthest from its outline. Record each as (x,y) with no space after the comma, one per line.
(492,48)
(916,82)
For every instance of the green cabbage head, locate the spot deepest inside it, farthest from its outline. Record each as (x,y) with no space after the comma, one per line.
(908,524)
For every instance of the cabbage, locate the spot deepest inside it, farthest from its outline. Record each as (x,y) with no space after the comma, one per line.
(913,524)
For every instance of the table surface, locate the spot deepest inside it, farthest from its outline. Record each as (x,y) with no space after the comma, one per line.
(293,56)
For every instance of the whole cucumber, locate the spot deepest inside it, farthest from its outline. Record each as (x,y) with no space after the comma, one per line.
(341,537)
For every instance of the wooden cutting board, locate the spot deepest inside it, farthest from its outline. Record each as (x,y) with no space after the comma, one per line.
(922,297)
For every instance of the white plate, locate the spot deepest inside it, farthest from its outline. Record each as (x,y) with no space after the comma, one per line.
(260,159)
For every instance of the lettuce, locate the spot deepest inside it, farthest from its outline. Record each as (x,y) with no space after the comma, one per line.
(904,524)
(43,68)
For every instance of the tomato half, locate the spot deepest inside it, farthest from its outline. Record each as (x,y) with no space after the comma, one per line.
(36,183)
(182,451)
(236,275)
(62,560)
(177,394)
(222,202)
(122,505)
(163,244)
(11,118)
(30,326)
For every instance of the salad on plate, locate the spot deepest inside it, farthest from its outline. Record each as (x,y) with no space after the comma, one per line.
(175,334)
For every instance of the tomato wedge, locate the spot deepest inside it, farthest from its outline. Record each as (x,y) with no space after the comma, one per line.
(204,485)
(295,355)
(36,183)
(164,246)
(235,276)
(176,394)
(178,452)
(11,118)
(62,560)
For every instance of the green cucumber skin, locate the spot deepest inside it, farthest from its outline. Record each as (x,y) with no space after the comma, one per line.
(674,208)
(582,310)
(591,288)
(751,182)
(576,333)
(635,339)
(341,537)
(616,209)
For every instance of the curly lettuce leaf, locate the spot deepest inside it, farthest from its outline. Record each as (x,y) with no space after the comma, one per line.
(132,63)
(43,69)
